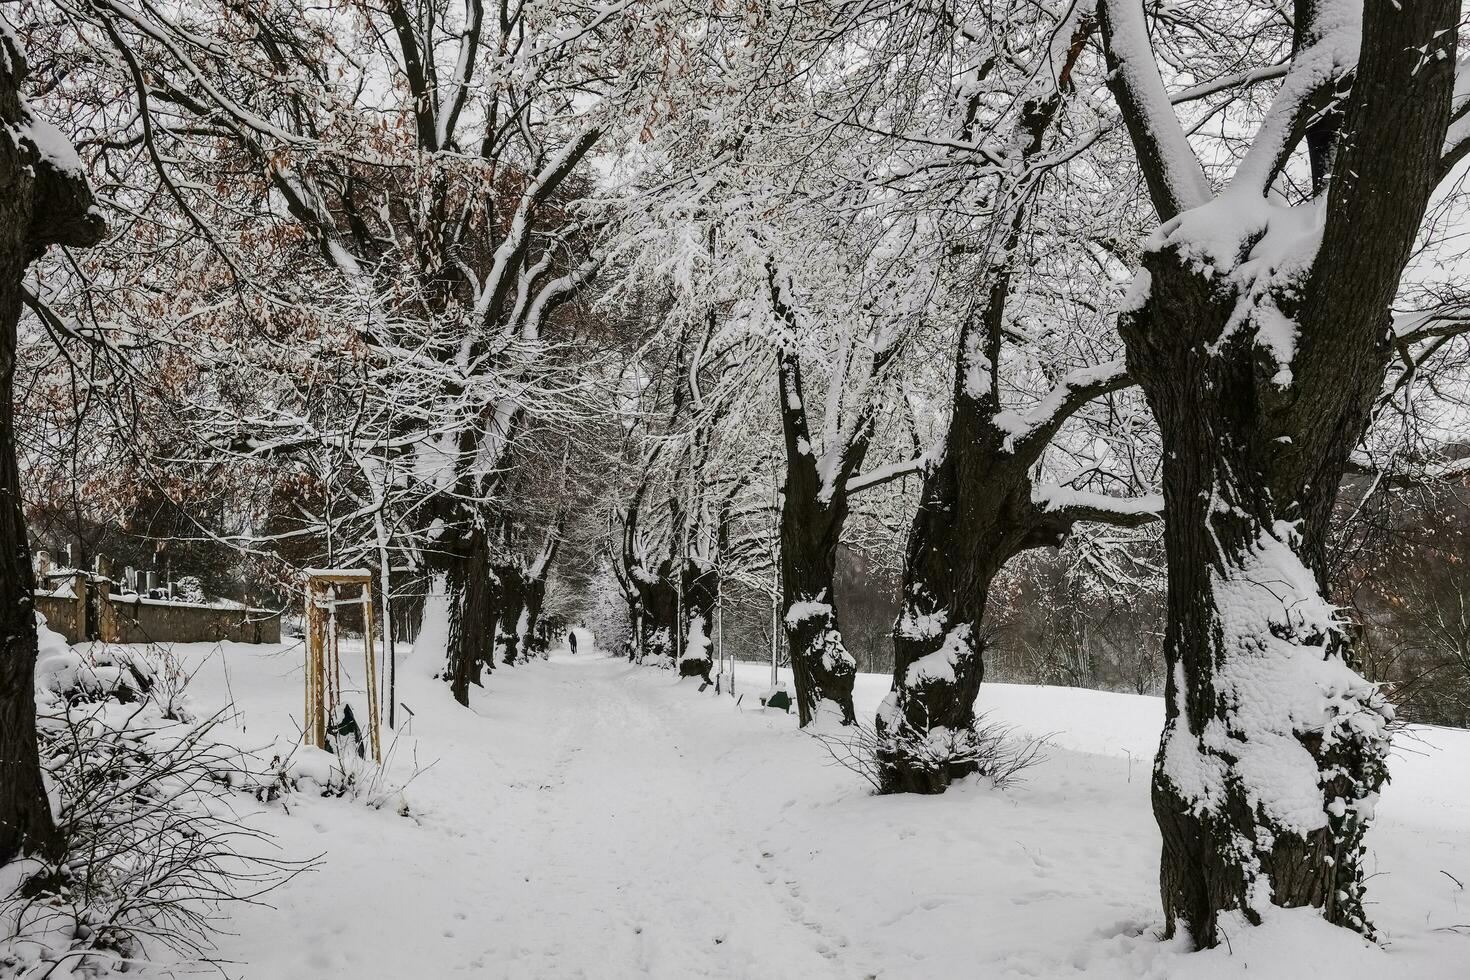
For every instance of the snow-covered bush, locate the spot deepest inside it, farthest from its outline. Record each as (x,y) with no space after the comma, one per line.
(345,772)
(189,588)
(150,845)
(123,673)
(69,676)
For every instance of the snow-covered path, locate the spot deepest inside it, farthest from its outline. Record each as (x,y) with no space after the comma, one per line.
(628,854)
(588,818)
(568,826)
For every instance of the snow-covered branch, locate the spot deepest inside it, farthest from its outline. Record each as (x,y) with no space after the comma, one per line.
(1176,181)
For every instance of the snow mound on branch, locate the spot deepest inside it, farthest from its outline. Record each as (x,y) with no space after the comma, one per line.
(53,147)
(1054,498)
(1136,296)
(977,369)
(939,665)
(914,625)
(1261,251)
(1017,424)
(834,654)
(799,612)
(644,575)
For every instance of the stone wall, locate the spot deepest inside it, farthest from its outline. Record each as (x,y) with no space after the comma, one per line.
(61,615)
(130,618)
(135,620)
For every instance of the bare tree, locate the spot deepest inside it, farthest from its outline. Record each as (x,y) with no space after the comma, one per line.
(44,201)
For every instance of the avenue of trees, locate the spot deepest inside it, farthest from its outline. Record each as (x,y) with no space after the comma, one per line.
(1112,330)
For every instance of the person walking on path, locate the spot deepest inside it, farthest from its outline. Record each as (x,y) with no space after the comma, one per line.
(572,641)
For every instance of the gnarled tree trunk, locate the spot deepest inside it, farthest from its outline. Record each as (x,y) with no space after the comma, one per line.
(660,601)
(974,515)
(495,596)
(472,611)
(512,610)
(1274,748)
(814,508)
(43,201)
(821,666)
(635,628)
(701,593)
(533,597)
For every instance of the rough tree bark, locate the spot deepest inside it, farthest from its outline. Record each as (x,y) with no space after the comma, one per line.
(655,607)
(653,600)
(701,593)
(497,600)
(512,607)
(522,592)
(811,527)
(533,593)
(976,512)
(1274,748)
(472,612)
(44,200)
(659,598)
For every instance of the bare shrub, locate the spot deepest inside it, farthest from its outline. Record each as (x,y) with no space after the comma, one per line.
(344,772)
(994,752)
(152,848)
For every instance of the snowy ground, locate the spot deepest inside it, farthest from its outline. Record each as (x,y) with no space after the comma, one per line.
(588,818)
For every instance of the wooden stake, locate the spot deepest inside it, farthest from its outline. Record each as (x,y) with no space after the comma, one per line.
(370,658)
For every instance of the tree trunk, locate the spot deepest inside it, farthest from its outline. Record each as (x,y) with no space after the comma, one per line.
(495,593)
(975,514)
(820,664)
(512,608)
(1274,748)
(701,593)
(814,508)
(41,204)
(635,628)
(961,538)
(471,612)
(534,596)
(25,814)
(660,607)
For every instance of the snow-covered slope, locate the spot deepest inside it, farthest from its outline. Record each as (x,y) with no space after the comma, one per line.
(588,818)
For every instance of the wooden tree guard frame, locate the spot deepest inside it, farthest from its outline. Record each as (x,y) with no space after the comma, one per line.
(323,653)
